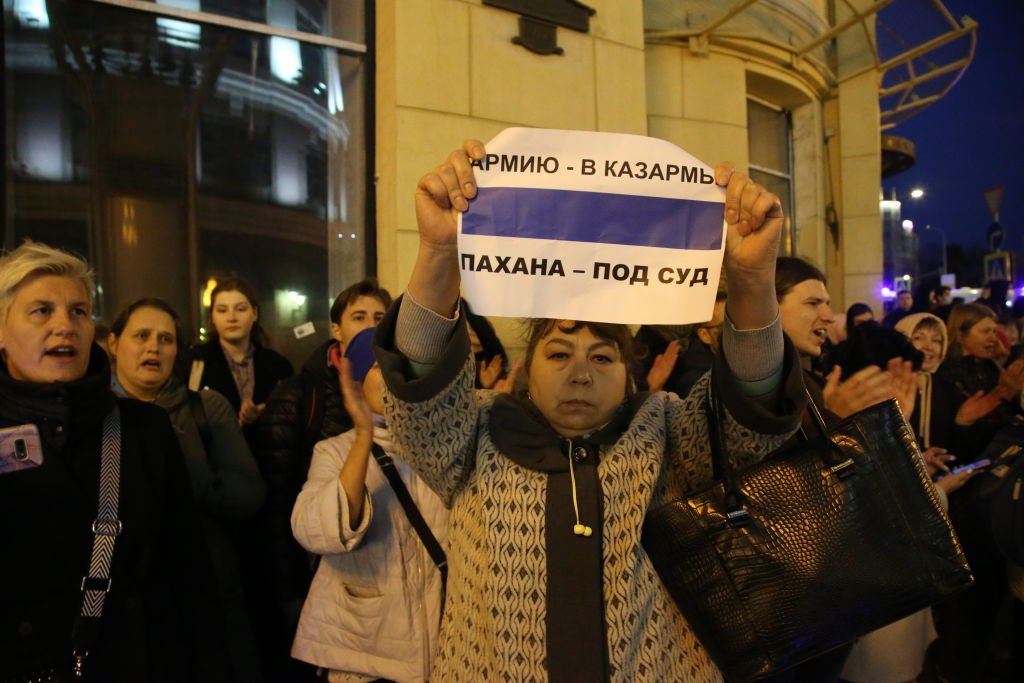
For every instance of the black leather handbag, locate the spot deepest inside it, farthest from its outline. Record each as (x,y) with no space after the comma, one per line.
(816,545)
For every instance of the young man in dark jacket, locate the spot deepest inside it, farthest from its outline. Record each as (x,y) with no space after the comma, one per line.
(302,410)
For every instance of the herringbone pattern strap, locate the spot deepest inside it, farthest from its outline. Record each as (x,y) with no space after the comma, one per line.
(107,526)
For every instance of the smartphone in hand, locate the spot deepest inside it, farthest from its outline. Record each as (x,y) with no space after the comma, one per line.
(20,448)
(970,467)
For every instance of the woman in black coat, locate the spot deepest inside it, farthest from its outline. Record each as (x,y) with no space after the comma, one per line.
(236,362)
(159,620)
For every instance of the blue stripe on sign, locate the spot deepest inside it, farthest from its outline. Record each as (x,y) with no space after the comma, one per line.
(594,217)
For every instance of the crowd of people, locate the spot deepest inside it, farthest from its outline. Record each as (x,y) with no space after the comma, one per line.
(411,506)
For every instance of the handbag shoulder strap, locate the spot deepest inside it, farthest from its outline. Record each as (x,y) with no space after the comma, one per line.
(195,404)
(412,512)
(719,460)
(105,530)
(195,375)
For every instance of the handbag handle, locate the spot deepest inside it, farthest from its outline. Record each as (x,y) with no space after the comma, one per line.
(735,513)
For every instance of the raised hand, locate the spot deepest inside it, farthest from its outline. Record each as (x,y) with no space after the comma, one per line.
(445,191)
(490,371)
(754,220)
(865,388)
(979,405)
(505,386)
(1011,379)
(355,402)
(662,366)
(904,384)
(440,195)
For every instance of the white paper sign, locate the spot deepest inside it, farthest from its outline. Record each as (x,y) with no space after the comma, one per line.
(605,227)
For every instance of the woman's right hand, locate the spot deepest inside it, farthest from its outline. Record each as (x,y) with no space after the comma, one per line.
(355,402)
(979,405)
(440,195)
(953,482)
(936,459)
(445,191)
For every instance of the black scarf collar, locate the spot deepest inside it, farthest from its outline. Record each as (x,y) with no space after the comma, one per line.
(81,403)
(523,435)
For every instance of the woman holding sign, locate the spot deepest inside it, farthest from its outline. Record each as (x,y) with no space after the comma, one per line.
(548,489)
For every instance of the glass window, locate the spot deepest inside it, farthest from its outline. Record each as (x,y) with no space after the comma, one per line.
(171,153)
(771,159)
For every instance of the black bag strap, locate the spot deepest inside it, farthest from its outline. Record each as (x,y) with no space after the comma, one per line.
(105,529)
(430,542)
(195,402)
(735,513)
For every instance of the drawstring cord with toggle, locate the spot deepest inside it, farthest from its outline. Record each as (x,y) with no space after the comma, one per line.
(578,529)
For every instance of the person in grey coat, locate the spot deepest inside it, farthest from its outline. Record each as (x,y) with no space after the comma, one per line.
(144,343)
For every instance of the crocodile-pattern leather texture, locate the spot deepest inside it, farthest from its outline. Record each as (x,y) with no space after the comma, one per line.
(824,557)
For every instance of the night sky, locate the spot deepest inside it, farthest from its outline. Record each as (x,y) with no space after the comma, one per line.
(972,138)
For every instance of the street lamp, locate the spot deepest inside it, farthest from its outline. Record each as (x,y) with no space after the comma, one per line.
(942,234)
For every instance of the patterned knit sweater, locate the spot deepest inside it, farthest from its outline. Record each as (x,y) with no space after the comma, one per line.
(494,621)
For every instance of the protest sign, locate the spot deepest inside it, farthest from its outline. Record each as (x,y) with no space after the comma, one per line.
(605,227)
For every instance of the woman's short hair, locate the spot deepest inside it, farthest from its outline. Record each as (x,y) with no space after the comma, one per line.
(236,284)
(791,271)
(961,319)
(121,321)
(619,335)
(35,259)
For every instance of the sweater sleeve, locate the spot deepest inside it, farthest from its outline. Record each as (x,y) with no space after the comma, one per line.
(237,489)
(432,410)
(321,521)
(755,357)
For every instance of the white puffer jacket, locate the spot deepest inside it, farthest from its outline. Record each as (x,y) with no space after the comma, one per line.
(374,606)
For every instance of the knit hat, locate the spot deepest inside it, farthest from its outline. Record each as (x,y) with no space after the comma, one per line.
(360,353)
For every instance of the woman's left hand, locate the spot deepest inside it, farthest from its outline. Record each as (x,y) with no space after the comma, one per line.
(1011,379)
(904,384)
(662,367)
(506,385)
(754,219)
(355,401)
(490,371)
(249,412)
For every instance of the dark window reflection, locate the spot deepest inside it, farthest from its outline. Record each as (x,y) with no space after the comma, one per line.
(171,153)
